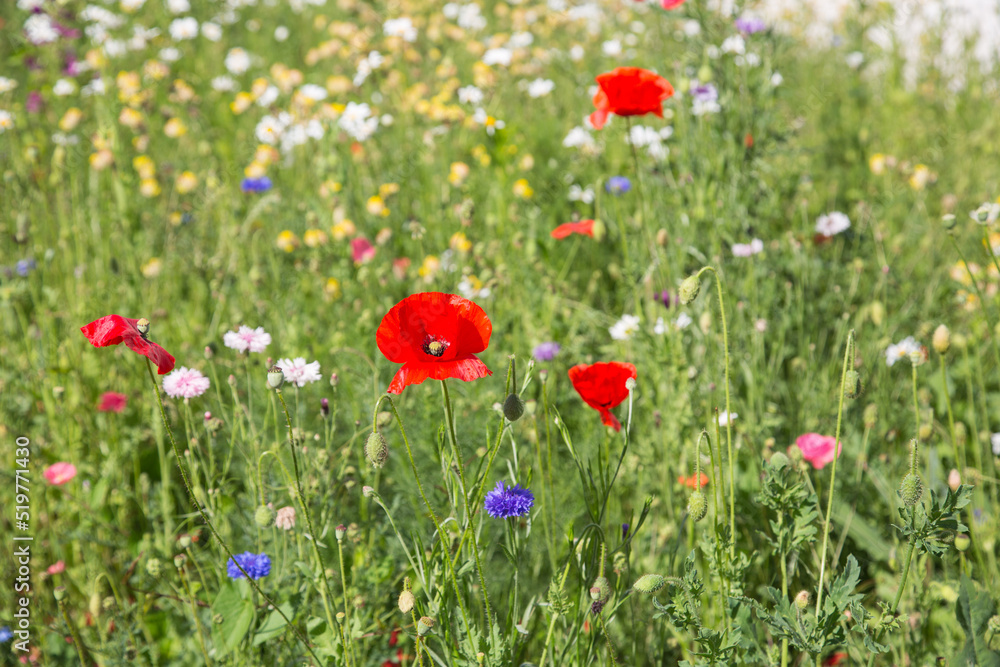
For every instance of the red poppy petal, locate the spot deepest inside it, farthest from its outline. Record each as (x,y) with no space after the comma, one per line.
(609,419)
(583,227)
(109,330)
(599,118)
(164,360)
(415,372)
(474,327)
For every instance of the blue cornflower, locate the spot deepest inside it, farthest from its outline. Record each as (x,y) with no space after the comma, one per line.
(504,503)
(618,185)
(262,184)
(24,266)
(546,351)
(256,565)
(5,635)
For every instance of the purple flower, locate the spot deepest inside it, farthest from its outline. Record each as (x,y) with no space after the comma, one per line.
(262,184)
(705,92)
(666,298)
(749,25)
(256,565)
(5,635)
(24,267)
(618,185)
(504,503)
(34,102)
(624,530)
(546,351)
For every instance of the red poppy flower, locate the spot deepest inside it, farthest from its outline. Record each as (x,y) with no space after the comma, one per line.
(629,91)
(584,227)
(112,402)
(435,336)
(835,659)
(602,387)
(115,329)
(671,4)
(692,482)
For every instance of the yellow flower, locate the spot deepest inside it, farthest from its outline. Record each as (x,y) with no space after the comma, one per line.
(70,119)
(481,154)
(429,267)
(338,85)
(265,154)
(149,187)
(387,189)
(258,87)
(130,117)
(175,128)
(182,91)
(920,177)
(383,236)
(332,289)
(527,162)
(152,268)
(375,205)
(287,241)
(522,189)
(313,238)
(460,243)
(254,170)
(128,84)
(144,166)
(241,103)
(342,230)
(459,172)
(186,182)
(155,70)
(329,187)
(101,160)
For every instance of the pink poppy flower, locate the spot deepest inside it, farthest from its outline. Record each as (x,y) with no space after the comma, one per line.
(362,250)
(112,402)
(817,449)
(60,473)
(56,568)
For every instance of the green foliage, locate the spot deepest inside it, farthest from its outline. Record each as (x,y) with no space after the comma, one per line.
(974,611)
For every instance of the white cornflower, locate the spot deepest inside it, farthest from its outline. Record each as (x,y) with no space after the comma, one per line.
(625,328)
(357,121)
(734,44)
(285,518)
(832,223)
(470,95)
(612,47)
(185,28)
(281,33)
(247,339)
(579,137)
(298,371)
(683,321)
(185,383)
(577,193)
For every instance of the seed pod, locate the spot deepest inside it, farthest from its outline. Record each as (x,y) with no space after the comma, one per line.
(376,450)
(424,625)
(649,583)
(275,377)
(941,340)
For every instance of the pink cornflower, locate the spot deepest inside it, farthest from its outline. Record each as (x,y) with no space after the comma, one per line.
(185,383)
(112,402)
(748,249)
(247,339)
(57,567)
(362,250)
(285,519)
(817,449)
(60,473)
(298,371)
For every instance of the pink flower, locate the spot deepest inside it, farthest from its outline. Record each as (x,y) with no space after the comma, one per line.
(362,250)
(112,402)
(285,518)
(56,568)
(817,449)
(247,339)
(60,473)
(185,383)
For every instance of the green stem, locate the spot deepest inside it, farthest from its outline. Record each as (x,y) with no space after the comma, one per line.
(81,650)
(959,462)
(313,537)
(902,586)
(833,474)
(194,615)
(194,501)
(916,404)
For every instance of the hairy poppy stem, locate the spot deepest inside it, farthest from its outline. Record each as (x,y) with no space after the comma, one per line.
(325,592)
(208,522)
(848,359)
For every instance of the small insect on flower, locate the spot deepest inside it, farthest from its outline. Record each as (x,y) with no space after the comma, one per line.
(115,329)
(505,502)
(256,565)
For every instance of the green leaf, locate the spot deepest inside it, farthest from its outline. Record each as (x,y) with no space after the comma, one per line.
(273,626)
(975,607)
(237,615)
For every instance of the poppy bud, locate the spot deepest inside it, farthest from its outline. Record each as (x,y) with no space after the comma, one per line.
(911,489)
(697,505)
(802,600)
(649,583)
(948,221)
(942,339)
(143,326)
(689,289)
(779,460)
(406,601)
(209,352)
(367,491)
(513,407)
(264,516)
(376,450)
(601,590)
(184,541)
(59,593)
(275,377)
(424,625)
(870,415)
(954,480)
(852,384)
(962,542)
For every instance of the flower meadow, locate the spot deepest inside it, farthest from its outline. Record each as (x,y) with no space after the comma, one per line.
(524,332)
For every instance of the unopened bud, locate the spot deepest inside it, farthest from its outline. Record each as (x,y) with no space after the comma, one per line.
(601,590)
(376,450)
(275,377)
(324,407)
(954,480)
(59,593)
(209,352)
(649,583)
(264,516)
(689,289)
(334,379)
(630,384)
(697,505)
(406,601)
(941,340)
(962,542)
(852,384)
(143,326)
(802,600)
(513,407)
(179,561)
(367,491)
(870,415)
(911,489)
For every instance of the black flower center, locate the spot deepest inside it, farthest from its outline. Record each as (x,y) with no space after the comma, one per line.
(435,347)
